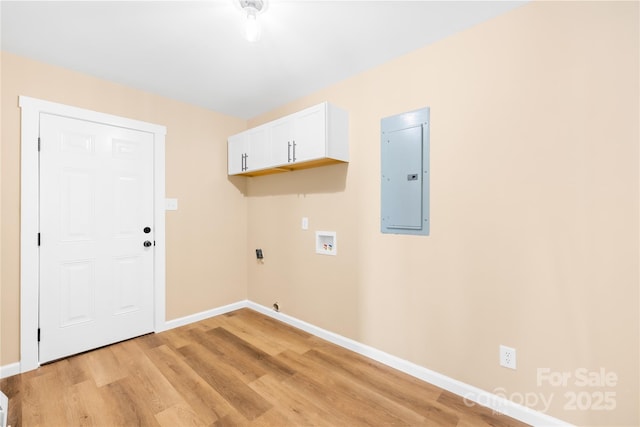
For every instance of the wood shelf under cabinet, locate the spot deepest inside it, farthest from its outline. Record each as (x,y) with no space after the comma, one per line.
(292,167)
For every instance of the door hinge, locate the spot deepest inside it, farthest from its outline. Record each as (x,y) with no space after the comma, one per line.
(38,334)
(38,239)
(38,143)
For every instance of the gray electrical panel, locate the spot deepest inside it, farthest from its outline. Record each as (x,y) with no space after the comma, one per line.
(405,173)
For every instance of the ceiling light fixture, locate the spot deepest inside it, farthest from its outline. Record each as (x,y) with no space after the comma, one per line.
(250,11)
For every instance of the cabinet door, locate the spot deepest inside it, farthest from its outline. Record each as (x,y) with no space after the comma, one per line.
(236,150)
(310,134)
(258,149)
(281,142)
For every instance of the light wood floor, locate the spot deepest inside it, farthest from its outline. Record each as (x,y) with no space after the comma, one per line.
(238,369)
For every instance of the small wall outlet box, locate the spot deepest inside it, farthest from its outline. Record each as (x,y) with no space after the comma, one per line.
(507,357)
(171,204)
(326,243)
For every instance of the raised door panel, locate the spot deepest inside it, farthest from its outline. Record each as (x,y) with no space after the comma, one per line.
(77,194)
(78,288)
(127,271)
(126,216)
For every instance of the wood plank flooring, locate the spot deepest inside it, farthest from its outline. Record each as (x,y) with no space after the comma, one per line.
(238,369)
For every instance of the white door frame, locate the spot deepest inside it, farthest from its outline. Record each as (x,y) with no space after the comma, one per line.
(31,109)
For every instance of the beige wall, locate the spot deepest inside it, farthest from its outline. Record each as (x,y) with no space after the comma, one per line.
(206,237)
(534,210)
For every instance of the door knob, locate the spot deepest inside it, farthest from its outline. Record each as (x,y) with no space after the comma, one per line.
(147,243)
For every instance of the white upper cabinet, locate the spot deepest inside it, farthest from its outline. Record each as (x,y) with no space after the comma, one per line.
(312,137)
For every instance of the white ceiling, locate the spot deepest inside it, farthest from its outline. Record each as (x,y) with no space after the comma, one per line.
(194,51)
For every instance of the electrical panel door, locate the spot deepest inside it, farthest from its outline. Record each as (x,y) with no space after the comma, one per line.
(405,173)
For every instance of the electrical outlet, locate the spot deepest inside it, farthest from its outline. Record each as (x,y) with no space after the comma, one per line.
(507,357)
(171,204)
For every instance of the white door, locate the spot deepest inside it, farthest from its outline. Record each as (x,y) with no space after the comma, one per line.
(96,200)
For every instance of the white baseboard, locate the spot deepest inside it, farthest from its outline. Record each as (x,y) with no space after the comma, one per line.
(175,323)
(9,370)
(471,394)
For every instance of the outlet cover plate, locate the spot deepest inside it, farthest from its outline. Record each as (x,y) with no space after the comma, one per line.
(507,357)
(171,204)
